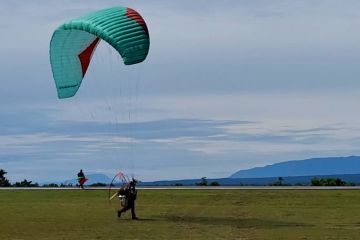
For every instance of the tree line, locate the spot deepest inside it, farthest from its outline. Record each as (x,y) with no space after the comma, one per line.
(316,182)
(4,182)
(329,182)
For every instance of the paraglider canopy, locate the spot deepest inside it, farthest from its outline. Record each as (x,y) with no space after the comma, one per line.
(74,42)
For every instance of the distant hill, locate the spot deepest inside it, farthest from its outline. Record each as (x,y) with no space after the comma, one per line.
(307,167)
(298,180)
(93,178)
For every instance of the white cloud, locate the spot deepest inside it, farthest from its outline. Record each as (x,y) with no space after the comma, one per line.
(287,69)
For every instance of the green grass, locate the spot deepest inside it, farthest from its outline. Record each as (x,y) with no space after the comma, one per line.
(182,214)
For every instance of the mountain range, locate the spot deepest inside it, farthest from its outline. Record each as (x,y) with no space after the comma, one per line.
(292,172)
(307,167)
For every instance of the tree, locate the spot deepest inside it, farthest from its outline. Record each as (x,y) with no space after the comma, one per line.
(26,183)
(203,182)
(98,184)
(340,182)
(327,182)
(51,185)
(279,182)
(4,182)
(214,184)
(315,181)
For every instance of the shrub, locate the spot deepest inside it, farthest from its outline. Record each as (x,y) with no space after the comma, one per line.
(214,184)
(4,182)
(98,184)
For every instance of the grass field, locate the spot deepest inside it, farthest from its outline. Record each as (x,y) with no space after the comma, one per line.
(182,214)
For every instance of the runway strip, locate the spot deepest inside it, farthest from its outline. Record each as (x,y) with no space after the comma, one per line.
(195,188)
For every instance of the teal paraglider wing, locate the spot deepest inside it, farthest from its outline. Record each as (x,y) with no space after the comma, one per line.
(74,42)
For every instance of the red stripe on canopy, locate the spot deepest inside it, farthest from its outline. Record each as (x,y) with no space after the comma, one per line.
(134,15)
(85,56)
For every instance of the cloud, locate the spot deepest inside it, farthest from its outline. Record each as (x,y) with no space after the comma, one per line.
(70,131)
(227,84)
(149,147)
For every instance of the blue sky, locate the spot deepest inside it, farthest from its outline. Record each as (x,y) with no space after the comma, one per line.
(227,85)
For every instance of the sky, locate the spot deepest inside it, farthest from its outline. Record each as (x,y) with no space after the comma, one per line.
(227,85)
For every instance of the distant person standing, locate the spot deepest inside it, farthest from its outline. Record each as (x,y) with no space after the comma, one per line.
(81,179)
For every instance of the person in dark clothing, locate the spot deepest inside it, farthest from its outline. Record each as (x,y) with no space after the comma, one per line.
(130,194)
(81,179)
